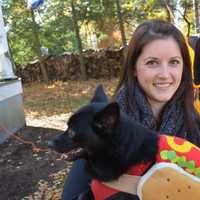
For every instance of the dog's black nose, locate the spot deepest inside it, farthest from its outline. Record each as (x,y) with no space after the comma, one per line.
(50,144)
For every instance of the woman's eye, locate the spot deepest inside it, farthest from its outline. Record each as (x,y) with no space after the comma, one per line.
(151,63)
(174,62)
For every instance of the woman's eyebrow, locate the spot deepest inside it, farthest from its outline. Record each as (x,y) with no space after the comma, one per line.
(150,58)
(154,58)
(176,57)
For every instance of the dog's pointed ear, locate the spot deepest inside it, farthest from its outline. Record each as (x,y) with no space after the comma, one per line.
(107,118)
(99,95)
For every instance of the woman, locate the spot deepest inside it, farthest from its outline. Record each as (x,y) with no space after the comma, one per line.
(155,90)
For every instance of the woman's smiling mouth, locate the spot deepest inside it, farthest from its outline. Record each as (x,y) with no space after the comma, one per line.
(162,85)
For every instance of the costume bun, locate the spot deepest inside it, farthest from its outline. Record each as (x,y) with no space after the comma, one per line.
(167,181)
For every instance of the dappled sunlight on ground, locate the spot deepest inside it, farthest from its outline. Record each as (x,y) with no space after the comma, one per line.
(60,97)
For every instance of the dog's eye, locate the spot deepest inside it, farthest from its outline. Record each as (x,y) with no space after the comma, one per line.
(71,133)
(98,125)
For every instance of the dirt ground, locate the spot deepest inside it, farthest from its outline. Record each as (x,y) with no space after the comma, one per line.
(29,175)
(25,174)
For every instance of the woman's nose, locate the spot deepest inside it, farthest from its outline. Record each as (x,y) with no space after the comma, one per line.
(164,71)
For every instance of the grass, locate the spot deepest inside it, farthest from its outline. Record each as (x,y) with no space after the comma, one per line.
(61,97)
(64,97)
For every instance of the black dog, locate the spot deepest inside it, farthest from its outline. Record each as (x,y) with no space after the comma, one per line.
(107,139)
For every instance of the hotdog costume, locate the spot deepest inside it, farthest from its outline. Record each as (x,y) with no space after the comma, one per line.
(177,167)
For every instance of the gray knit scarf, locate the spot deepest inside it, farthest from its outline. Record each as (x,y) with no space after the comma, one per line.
(171,121)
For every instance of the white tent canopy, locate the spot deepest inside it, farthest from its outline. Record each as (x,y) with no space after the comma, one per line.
(6,68)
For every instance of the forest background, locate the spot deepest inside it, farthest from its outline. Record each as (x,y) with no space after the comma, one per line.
(72,26)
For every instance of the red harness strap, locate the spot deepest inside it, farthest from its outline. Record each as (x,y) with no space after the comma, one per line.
(102,191)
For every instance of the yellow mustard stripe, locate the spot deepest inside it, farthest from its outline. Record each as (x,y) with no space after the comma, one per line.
(182,148)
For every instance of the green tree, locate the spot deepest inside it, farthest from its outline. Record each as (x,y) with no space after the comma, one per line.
(37,46)
(79,42)
(121,22)
(57,30)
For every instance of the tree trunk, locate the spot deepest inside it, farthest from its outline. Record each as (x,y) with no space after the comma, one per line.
(37,47)
(79,44)
(121,24)
(170,14)
(184,15)
(196,7)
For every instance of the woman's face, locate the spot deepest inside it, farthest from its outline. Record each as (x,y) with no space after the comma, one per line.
(159,70)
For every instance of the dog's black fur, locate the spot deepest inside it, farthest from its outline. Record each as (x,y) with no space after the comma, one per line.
(110,141)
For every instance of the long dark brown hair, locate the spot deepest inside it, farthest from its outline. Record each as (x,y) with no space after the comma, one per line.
(145,33)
